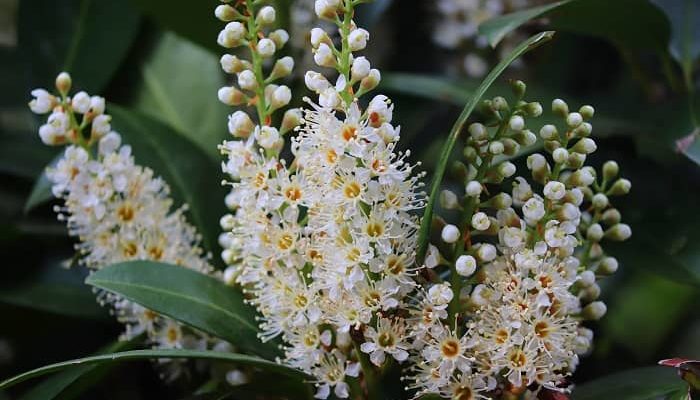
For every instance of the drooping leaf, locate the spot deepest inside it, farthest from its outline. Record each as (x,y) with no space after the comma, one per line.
(239,359)
(685,31)
(192,175)
(60,382)
(529,44)
(196,299)
(636,384)
(179,84)
(88,38)
(193,20)
(635,24)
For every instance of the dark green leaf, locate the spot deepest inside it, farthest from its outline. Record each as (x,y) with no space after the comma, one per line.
(523,48)
(239,359)
(635,24)
(370,14)
(88,38)
(193,20)
(57,384)
(196,299)
(172,92)
(430,87)
(193,176)
(636,384)
(683,16)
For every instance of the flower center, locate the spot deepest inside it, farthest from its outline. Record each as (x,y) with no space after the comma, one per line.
(450,348)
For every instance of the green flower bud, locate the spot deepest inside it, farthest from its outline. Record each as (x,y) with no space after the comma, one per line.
(510,147)
(600,201)
(611,216)
(449,200)
(551,145)
(607,266)
(586,111)
(594,233)
(470,154)
(459,171)
(619,232)
(594,311)
(500,104)
(496,147)
(518,88)
(63,83)
(583,130)
(549,132)
(533,109)
(560,108)
(576,160)
(478,131)
(621,187)
(610,170)
(525,137)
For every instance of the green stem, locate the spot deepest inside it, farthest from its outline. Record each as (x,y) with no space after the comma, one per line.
(344,59)
(368,372)
(256,60)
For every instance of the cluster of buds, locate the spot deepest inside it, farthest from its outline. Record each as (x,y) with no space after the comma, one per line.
(119,211)
(523,266)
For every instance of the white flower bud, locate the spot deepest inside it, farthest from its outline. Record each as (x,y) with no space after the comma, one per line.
(506,169)
(236,377)
(594,310)
(232,64)
(358,39)
(283,67)
(323,56)
(612,216)
(549,132)
(585,146)
(607,266)
(533,209)
(450,233)
(486,252)
(316,82)
(225,13)
(360,68)
(432,258)
(448,200)
(621,187)
(554,190)
(63,83)
(232,35)
(480,221)
(600,201)
(227,222)
(325,9)
(619,232)
(81,102)
(586,112)
(267,137)
(101,126)
(319,36)
(582,177)
(440,294)
(560,155)
(231,96)
(109,143)
(478,131)
(240,125)
(594,233)
(574,119)
(496,147)
(329,98)
(371,81)
(560,107)
(516,123)
(266,47)
(499,103)
(473,189)
(569,212)
(246,80)
(266,15)
(465,265)
(583,130)
(43,101)
(610,170)
(586,278)
(280,97)
(290,120)
(534,109)
(97,105)
(280,37)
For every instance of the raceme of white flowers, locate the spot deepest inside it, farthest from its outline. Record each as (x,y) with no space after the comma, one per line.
(456,28)
(118,210)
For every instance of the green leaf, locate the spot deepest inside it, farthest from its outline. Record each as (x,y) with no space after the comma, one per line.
(523,48)
(636,384)
(192,175)
(685,31)
(59,383)
(196,299)
(192,19)
(88,38)
(430,87)
(57,298)
(635,24)
(239,359)
(173,93)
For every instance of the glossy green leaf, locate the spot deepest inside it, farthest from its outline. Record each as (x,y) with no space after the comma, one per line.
(636,384)
(239,359)
(57,298)
(88,38)
(196,299)
(193,20)
(635,24)
(179,85)
(57,384)
(683,16)
(529,44)
(194,178)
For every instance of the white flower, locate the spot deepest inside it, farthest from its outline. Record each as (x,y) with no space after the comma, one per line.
(267,136)
(358,39)
(360,68)
(388,338)
(43,101)
(465,265)
(81,102)
(480,221)
(240,125)
(316,81)
(281,97)
(554,190)
(323,56)
(533,209)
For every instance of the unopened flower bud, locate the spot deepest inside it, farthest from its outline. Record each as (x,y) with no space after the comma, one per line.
(448,200)
(480,221)
(280,37)
(539,167)
(329,98)
(600,201)
(576,160)
(478,131)
(290,120)
(232,35)
(506,169)
(510,147)
(319,36)
(549,132)
(611,216)
(358,39)
(594,311)
(621,187)
(619,232)
(586,112)
(266,15)
(574,119)
(486,252)
(533,109)
(594,233)
(473,189)
(266,47)
(554,190)
(81,102)
(610,170)
(246,80)
(583,130)
(607,266)
(586,278)
(360,68)
(499,103)
(370,81)
(231,96)
(585,146)
(496,147)
(459,171)
(518,88)
(560,108)
(465,265)
(232,64)
(560,155)
(280,97)
(450,234)
(516,123)
(525,137)
(596,251)
(582,177)
(63,83)
(230,273)
(501,201)
(326,9)
(469,154)
(240,125)
(225,13)
(283,67)
(316,81)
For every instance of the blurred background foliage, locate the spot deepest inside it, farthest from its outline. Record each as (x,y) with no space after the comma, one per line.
(157,62)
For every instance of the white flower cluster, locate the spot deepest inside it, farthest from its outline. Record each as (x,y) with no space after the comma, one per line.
(325,243)
(117,209)
(456,28)
(524,266)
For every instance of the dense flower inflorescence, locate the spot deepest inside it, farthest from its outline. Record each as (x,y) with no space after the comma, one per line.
(523,266)
(117,209)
